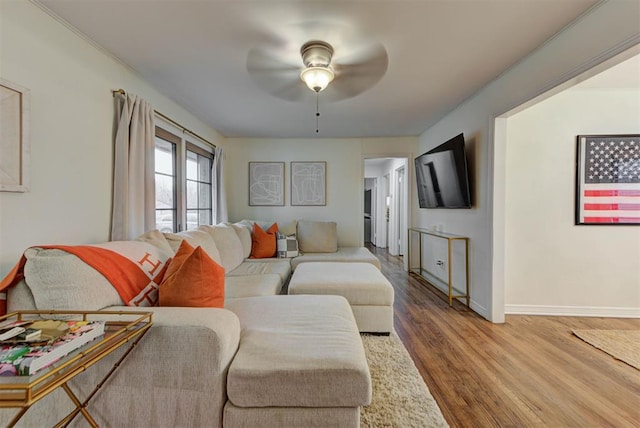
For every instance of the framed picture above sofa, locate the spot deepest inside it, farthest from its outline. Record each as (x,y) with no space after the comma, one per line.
(14,137)
(266,183)
(608,180)
(308,183)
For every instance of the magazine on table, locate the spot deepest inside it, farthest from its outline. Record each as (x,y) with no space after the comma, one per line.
(43,342)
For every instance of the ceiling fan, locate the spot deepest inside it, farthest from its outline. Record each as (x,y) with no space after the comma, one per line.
(338,74)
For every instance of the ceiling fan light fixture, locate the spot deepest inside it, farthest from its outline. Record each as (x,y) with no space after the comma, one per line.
(317,78)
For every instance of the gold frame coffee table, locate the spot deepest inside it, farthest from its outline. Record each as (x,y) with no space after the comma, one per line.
(122,327)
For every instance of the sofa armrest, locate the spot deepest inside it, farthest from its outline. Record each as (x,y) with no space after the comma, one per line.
(176,375)
(220,328)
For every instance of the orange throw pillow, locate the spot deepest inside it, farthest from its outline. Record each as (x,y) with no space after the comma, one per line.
(263,243)
(193,279)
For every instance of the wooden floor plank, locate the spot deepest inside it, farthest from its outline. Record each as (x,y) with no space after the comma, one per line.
(530,371)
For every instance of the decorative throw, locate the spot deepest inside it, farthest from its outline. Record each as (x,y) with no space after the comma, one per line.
(287,245)
(135,269)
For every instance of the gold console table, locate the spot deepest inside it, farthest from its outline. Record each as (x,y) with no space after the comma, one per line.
(432,278)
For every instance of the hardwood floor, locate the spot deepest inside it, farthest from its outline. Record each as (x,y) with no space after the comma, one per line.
(529,372)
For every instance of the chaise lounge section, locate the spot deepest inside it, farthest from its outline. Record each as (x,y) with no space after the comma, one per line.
(300,363)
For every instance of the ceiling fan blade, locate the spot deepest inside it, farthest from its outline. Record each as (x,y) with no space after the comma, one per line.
(294,91)
(280,79)
(263,61)
(358,72)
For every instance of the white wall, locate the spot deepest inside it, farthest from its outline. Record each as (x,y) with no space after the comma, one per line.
(580,46)
(345,184)
(72,116)
(553,266)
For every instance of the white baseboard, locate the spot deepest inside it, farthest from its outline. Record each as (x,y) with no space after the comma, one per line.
(572,311)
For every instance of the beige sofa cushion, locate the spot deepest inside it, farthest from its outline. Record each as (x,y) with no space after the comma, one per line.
(195,238)
(20,298)
(56,279)
(298,351)
(280,267)
(157,239)
(228,243)
(244,234)
(344,254)
(61,281)
(268,284)
(317,236)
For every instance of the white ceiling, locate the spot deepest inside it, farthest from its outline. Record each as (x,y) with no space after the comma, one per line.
(440,52)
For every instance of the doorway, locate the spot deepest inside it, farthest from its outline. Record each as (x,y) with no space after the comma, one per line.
(513,292)
(401,210)
(387,179)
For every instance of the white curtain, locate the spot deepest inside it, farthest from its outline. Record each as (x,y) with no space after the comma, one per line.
(134,164)
(217,188)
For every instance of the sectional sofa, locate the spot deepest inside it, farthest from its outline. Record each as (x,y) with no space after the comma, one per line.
(265,359)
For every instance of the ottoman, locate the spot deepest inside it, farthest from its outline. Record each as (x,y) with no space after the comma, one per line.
(300,363)
(362,284)
(344,255)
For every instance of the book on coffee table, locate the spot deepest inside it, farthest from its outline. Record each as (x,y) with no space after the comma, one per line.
(12,329)
(55,340)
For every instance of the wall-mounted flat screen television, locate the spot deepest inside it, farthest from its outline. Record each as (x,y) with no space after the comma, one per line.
(441,173)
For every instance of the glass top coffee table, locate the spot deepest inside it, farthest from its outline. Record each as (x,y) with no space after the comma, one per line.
(122,328)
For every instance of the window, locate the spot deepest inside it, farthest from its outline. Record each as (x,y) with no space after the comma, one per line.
(183,183)
(199,163)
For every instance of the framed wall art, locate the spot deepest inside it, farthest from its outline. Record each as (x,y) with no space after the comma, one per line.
(14,137)
(308,183)
(266,183)
(608,180)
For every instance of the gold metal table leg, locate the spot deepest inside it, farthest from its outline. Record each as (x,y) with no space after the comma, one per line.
(17,417)
(82,407)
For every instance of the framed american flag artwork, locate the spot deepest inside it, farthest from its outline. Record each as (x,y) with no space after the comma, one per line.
(608,180)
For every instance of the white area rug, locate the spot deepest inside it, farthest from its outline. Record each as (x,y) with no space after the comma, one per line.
(400,397)
(623,345)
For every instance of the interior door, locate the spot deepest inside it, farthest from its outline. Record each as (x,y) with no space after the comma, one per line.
(367,215)
(401,210)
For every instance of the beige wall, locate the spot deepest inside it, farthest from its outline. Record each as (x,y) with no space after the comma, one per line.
(72,113)
(553,266)
(345,177)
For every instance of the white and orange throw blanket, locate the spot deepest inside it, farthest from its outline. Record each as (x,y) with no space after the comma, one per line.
(134,269)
